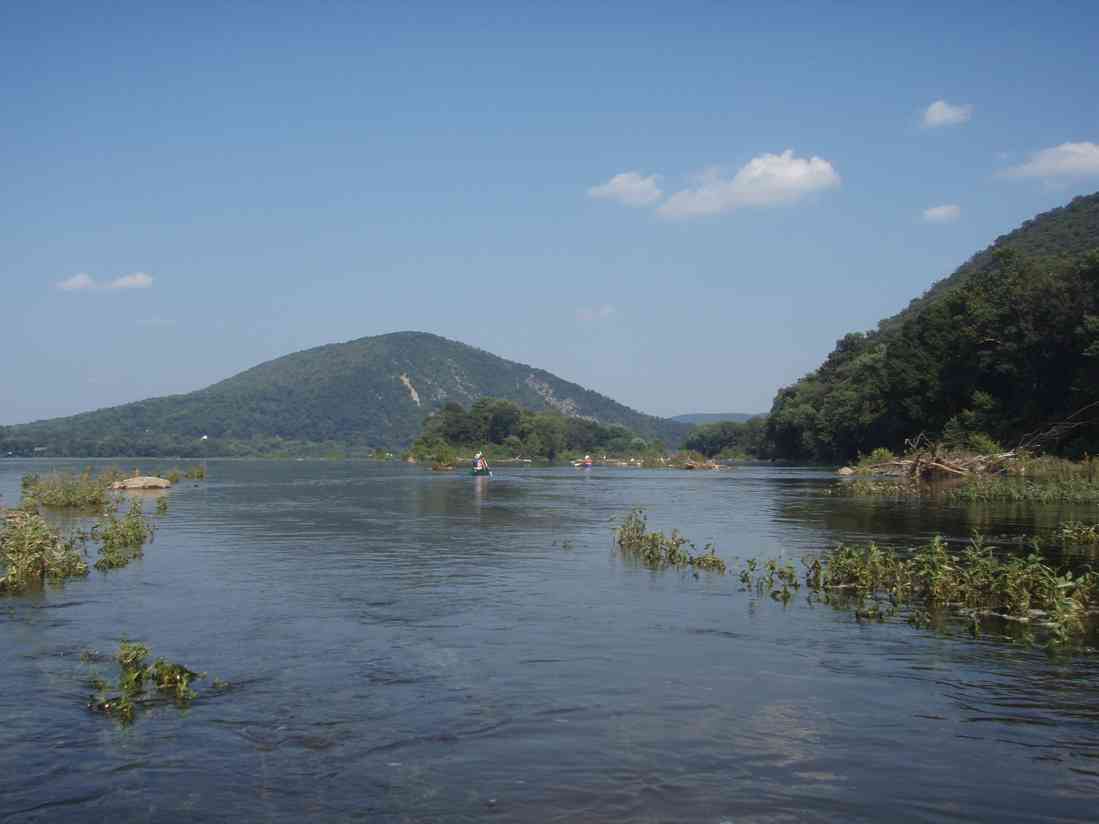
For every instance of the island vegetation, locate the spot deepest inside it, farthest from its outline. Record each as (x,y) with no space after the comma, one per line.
(504,430)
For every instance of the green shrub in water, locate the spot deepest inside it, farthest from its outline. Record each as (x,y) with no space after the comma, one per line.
(168,680)
(934,579)
(656,550)
(122,539)
(31,552)
(65,490)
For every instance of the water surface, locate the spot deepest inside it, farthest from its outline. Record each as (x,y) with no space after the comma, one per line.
(410,646)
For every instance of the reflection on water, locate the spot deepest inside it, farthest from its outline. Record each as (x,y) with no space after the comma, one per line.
(415,646)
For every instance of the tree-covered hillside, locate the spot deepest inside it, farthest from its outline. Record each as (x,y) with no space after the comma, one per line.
(1007,344)
(370,392)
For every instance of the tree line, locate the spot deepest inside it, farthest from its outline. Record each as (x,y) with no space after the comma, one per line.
(506,429)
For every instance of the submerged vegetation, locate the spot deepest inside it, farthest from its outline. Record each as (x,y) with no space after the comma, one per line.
(141,684)
(657,550)
(928,586)
(66,490)
(122,539)
(934,583)
(32,552)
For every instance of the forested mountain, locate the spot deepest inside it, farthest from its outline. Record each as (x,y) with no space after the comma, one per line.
(712,417)
(1006,344)
(371,392)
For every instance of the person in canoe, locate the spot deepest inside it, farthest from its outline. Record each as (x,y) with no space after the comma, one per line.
(586,463)
(480,465)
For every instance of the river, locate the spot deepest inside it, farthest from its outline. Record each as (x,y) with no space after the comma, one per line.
(411,646)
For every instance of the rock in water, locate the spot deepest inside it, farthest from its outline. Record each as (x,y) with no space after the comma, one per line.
(142,482)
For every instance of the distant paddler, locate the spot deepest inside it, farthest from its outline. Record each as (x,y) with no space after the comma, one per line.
(480,465)
(584,464)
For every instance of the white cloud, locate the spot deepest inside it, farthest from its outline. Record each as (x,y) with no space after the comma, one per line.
(77,282)
(85,282)
(947,213)
(138,280)
(630,189)
(941,113)
(1066,160)
(765,180)
(588,314)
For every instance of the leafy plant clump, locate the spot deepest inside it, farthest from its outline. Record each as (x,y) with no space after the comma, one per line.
(122,539)
(1074,532)
(32,552)
(657,550)
(162,506)
(196,473)
(66,490)
(141,684)
(974,583)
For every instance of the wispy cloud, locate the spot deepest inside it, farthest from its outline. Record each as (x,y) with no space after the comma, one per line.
(77,283)
(1069,160)
(629,188)
(587,314)
(138,280)
(947,213)
(766,180)
(940,113)
(84,282)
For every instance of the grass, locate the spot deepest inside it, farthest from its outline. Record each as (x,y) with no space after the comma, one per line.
(1001,488)
(980,489)
(33,552)
(140,683)
(657,550)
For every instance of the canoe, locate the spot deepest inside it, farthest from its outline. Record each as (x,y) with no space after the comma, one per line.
(480,472)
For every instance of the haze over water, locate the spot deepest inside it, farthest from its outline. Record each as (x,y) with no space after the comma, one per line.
(414,646)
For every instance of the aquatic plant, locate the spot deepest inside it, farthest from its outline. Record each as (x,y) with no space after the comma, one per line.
(974,582)
(168,680)
(122,539)
(162,506)
(32,552)
(196,472)
(66,490)
(1000,488)
(657,550)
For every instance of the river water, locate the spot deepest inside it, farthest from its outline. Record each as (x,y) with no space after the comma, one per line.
(410,646)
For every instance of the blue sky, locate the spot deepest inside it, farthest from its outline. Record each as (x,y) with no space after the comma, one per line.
(680,205)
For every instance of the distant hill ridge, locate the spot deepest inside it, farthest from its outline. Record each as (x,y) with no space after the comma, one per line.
(372,392)
(714,417)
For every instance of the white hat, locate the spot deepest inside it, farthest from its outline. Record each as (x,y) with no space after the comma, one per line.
(478,455)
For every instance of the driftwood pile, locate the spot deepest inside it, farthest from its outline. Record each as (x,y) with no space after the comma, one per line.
(926,461)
